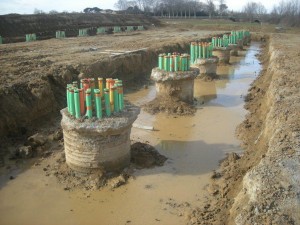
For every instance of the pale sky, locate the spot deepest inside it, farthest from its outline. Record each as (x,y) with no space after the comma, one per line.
(28,6)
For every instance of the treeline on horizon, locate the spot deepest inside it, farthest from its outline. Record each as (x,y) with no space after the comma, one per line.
(285,12)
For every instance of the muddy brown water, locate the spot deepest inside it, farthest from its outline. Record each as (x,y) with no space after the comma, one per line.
(162,195)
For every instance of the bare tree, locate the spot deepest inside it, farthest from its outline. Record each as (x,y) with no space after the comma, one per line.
(286,12)
(210,7)
(250,9)
(121,4)
(52,12)
(222,7)
(261,10)
(38,11)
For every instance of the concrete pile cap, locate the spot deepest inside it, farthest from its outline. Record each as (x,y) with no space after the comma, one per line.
(221,48)
(159,75)
(232,45)
(211,60)
(106,124)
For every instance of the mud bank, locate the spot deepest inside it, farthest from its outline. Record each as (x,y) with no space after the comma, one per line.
(271,189)
(263,186)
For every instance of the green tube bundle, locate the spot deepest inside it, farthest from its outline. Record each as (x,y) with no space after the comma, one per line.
(214,41)
(174,62)
(60,34)
(129,28)
(1,40)
(101,30)
(204,50)
(30,37)
(80,101)
(117,29)
(83,32)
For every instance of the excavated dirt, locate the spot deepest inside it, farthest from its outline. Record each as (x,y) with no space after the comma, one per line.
(143,156)
(262,185)
(169,105)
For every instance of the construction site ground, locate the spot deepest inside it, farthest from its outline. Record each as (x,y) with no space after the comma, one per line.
(261,185)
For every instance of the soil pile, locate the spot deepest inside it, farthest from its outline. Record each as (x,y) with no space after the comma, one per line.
(169,105)
(142,156)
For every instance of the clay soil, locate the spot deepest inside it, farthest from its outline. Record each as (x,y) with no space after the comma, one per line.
(170,106)
(33,77)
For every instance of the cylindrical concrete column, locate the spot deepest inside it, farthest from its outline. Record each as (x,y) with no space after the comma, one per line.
(234,49)
(223,53)
(178,84)
(240,44)
(98,145)
(207,67)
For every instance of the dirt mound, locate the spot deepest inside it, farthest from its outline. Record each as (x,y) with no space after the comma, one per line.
(146,156)
(171,106)
(142,156)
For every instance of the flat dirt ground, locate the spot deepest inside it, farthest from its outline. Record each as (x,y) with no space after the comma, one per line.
(260,186)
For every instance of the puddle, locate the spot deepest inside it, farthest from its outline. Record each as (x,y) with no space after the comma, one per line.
(194,146)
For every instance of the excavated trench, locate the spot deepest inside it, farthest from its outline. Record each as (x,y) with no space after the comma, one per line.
(26,100)
(260,187)
(193,145)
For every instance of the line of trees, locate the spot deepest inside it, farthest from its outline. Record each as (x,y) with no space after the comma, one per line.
(286,12)
(175,8)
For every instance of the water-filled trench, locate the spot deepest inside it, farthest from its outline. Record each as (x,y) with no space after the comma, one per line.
(162,195)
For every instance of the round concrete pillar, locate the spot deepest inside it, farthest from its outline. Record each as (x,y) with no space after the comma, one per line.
(94,144)
(223,53)
(234,49)
(246,40)
(207,67)
(240,44)
(179,84)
